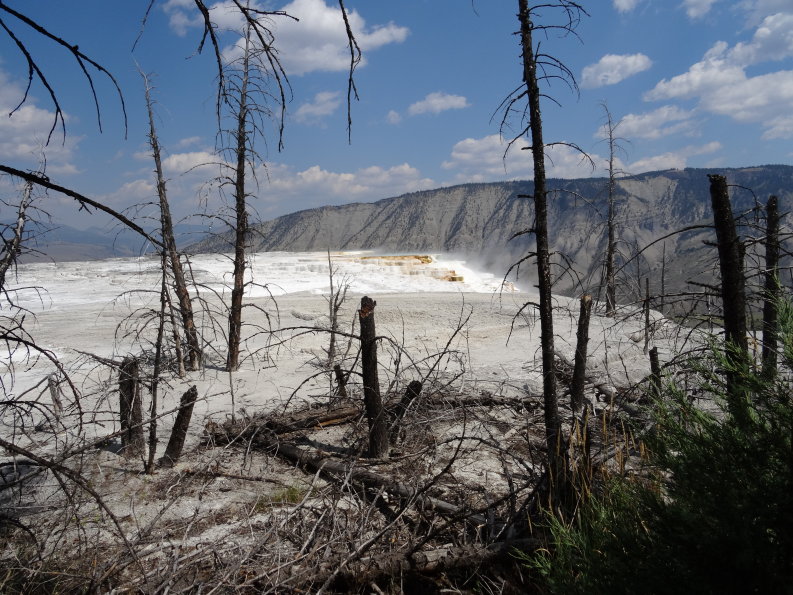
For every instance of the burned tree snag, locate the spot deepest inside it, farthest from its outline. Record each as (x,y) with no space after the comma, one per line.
(646,314)
(582,340)
(169,244)
(733,294)
(731,264)
(556,444)
(179,432)
(378,429)
(130,409)
(655,372)
(771,292)
(341,381)
(411,394)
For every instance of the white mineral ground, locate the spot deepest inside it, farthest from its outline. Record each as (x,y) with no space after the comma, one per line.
(96,307)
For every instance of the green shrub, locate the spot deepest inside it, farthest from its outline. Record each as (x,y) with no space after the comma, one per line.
(714,513)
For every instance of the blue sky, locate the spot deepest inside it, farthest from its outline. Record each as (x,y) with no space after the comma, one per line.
(695,83)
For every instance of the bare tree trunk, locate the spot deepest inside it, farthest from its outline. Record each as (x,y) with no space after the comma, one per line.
(733,292)
(341,381)
(55,396)
(179,432)
(240,209)
(611,244)
(375,415)
(579,368)
(155,375)
(662,305)
(655,368)
(332,315)
(411,394)
(130,408)
(646,314)
(12,249)
(772,290)
(169,243)
(553,427)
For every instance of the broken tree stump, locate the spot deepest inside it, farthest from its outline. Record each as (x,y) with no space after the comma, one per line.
(179,432)
(378,429)
(341,381)
(130,408)
(582,342)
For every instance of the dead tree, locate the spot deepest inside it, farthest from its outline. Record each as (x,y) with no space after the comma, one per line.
(611,215)
(772,291)
(579,368)
(530,92)
(338,293)
(655,369)
(169,242)
(241,151)
(179,432)
(130,408)
(375,415)
(733,287)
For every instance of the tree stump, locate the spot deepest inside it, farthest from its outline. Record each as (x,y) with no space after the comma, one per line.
(378,428)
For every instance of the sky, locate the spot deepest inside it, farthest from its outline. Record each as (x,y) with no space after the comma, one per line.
(692,83)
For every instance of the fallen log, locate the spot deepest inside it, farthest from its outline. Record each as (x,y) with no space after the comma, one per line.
(286,424)
(333,469)
(370,569)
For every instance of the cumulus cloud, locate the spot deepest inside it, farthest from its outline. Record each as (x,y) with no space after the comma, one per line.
(720,82)
(188,142)
(483,159)
(757,10)
(182,163)
(323,105)
(613,68)
(23,135)
(666,120)
(438,102)
(317,41)
(325,186)
(393,117)
(673,160)
(625,5)
(698,8)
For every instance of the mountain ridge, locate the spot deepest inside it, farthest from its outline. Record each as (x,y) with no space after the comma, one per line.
(487,221)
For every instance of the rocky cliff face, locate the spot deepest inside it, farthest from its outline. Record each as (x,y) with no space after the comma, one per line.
(479,220)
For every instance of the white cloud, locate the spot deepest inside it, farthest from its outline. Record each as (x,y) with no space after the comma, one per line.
(625,5)
(325,186)
(317,41)
(674,160)
(698,8)
(757,10)
(773,40)
(612,68)
(438,102)
(182,163)
(652,125)
(188,142)
(323,104)
(393,117)
(23,134)
(483,159)
(720,83)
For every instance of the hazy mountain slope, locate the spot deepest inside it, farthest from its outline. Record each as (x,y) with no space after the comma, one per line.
(62,243)
(479,219)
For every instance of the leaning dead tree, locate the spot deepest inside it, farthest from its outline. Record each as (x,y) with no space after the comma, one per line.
(169,241)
